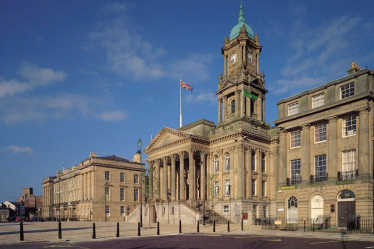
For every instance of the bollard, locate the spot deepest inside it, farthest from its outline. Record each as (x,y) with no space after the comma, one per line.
(304,227)
(180,226)
(158,228)
(242,225)
(59,230)
(117,235)
(138,228)
(21,238)
(214,226)
(228,226)
(93,231)
(198,230)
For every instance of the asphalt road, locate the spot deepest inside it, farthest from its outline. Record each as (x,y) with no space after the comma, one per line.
(206,241)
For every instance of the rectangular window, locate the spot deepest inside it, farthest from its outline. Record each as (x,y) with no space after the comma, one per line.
(136,178)
(295,139)
(349,126)
(107,211)
(295,172)
(263,163)
(122,211)
(107,193)
(349,165)
(264,210)
(320,168)
(136,194)
(347,90)
(293,108)
(254,210)
(253,161)
(263,188)
(320,133)
(216,165)
(107,176)
(318,100)
(227,162)
(254,190)
(226,209)
(122,177)
(216,189)
(227,188)
(122,194)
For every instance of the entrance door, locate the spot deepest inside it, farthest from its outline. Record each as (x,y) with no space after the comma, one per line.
(345,209)
(154,214)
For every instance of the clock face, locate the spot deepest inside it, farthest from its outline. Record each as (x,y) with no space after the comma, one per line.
(250,57)
(233,58)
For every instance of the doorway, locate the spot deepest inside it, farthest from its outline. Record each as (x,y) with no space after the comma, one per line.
(346,207)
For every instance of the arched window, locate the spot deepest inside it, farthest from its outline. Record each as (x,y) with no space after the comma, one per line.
(253,161)
(233,106)
(227,162)
(216,165)
(292,210)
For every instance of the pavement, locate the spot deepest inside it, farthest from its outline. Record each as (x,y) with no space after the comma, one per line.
(81,231)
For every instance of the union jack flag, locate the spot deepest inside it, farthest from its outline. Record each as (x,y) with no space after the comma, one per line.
(185,85)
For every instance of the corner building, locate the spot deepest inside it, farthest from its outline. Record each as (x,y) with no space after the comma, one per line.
(98,189)
(315,164)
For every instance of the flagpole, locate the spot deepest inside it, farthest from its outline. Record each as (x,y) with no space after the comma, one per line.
(180,103)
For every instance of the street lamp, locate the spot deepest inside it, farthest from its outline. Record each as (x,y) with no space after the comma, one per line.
(141,185)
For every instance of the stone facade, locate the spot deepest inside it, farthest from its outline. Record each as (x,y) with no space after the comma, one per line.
(107,185)
(316,163)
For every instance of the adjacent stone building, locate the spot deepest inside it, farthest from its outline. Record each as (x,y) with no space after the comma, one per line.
(99,189)
(316,163)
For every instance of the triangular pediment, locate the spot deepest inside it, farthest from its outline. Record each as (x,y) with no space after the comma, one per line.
(165,137)
(227,84)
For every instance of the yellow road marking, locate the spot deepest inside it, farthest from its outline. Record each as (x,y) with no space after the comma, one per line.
(276,240)
(324,242)
(57,246)
(212,235)
(241,237)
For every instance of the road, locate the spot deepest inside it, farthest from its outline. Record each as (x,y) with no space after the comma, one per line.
(214,241)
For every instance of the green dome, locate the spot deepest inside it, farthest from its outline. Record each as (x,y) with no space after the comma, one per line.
(236,29)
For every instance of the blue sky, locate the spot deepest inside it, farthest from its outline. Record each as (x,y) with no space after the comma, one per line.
(95,76)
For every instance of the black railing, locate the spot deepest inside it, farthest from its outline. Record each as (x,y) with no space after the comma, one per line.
(296,224)
(360,225)
(293,181)
(347,175)
(319,178)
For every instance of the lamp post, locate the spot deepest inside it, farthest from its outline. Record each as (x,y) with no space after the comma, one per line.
(141,185)
(230,201)
(168,197)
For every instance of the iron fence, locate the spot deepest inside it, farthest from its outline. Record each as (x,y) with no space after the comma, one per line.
(360,225)
(295,224)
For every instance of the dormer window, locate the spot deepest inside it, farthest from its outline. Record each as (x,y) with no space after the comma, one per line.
(318,100)
(347,90)
(293,108)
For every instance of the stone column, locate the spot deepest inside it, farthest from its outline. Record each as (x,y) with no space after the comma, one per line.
(237,103)
(165,182)
(181,177)
(363,143)
(202,176)
(172,177)
(219,110)
(241,175)
(158,180)
(282,157)
(263,109)
(305,153)
(224,108)
(191,180)
(332,166)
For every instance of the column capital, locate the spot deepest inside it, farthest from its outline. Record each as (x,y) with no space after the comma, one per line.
(332,119)
(364,110)
(191,152)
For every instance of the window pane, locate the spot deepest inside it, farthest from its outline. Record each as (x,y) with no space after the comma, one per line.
(318,100)
(349,126)
(320,133)
(295,139)
(347,90)
(293,108)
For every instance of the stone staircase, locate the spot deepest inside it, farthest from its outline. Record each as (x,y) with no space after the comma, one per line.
(213,216)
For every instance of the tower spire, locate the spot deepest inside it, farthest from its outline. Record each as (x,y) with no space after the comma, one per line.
(241,14)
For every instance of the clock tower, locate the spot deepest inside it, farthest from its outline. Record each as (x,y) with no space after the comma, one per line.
(241,90)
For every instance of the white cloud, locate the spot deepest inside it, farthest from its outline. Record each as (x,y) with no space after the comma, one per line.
(34,77)
(319,55)
(65,105)
(16,149)
(195,98)
(195,66)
